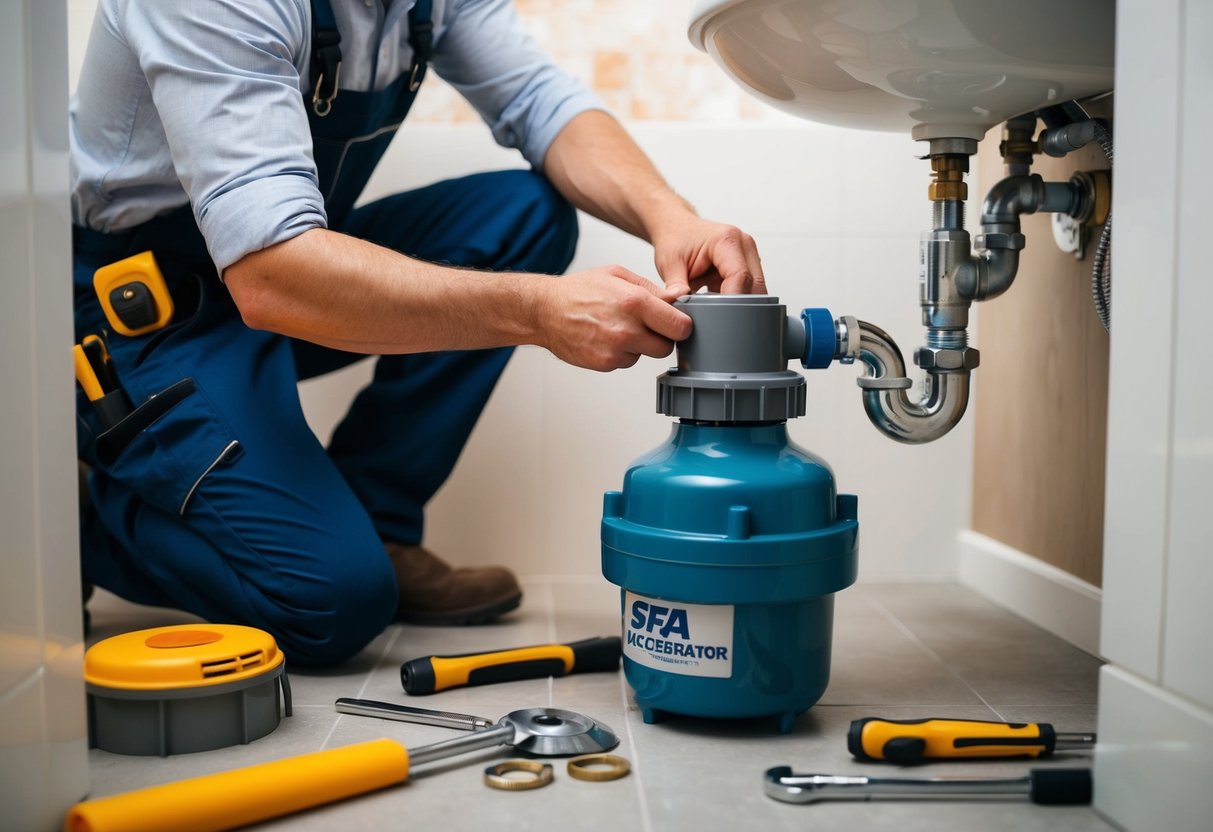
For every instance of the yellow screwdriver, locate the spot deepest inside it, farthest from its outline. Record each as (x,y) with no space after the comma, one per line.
(912,741)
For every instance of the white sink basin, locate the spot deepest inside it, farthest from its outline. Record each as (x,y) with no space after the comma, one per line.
(939,68)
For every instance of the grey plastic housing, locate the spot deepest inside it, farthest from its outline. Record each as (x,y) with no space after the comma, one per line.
(184,720)
(734,366)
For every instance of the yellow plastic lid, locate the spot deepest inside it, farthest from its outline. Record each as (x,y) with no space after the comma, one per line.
(181,656)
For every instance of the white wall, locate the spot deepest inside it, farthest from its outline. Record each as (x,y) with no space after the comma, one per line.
(1155,757)
(43,755)
(836,214)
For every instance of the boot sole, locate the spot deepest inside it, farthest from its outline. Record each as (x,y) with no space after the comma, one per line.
(461,618)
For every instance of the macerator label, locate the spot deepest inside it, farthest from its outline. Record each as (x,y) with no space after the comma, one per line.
(691,639)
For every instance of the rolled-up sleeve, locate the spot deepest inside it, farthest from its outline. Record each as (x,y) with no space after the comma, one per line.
(225,84)
(521,94)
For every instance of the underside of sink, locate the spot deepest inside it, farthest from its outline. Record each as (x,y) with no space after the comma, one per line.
(937,68)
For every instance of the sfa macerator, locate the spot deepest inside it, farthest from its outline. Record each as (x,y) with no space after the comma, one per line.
(728,541)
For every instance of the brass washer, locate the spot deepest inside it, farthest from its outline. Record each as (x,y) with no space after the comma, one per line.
(579,767)
(494,775)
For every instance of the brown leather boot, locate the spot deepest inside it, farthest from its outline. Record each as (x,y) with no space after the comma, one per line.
(434,592)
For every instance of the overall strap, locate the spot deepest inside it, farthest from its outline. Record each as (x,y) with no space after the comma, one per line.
(326,57)
(421,40)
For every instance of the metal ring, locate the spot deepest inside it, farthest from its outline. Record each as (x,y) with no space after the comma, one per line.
(616,767)
(494,775)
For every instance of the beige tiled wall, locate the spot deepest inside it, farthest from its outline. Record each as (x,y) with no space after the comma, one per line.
(634,53)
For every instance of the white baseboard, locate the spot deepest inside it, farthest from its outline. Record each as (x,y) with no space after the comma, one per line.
(1055,600)
(1153,763)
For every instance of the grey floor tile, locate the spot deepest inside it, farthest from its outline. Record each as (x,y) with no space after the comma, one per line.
(298,734)
(876,663)
(1006,660)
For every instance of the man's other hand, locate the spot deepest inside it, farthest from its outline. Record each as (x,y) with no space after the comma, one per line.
(606,318)
(691,253)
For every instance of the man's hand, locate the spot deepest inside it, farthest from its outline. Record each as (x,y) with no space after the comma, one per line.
(606,318)
(691,253)
(598,167)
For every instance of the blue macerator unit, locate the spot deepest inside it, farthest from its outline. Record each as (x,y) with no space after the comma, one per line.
(729,541)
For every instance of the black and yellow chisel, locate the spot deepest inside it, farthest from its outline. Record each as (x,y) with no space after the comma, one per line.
(430,674)
(911,741)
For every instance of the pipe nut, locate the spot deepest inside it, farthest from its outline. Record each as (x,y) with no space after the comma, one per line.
(997,239)
(947,360)
(944,190)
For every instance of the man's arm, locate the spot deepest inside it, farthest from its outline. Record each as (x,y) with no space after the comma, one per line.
(599,168)
(346,293)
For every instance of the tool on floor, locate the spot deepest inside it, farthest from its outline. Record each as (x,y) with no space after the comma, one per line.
(912,741)
(598,768)
(185,688)
(729,541)
(495,775)
(543,732)
(1046,786)
(95,373)
(134,295)
(430,674)
(235,798)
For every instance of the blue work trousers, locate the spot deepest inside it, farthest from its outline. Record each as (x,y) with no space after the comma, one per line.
(227,506)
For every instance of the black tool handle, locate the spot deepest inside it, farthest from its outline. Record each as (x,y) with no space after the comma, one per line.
(430,674)
(1060,786)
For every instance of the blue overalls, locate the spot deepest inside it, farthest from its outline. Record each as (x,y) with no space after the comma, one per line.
(225,504)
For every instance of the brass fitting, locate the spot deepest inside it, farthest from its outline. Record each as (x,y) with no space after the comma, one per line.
(1102,180)
(947,177)
(1018,145)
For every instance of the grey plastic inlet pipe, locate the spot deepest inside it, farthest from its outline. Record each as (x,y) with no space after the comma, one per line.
(991,270)
(886,392)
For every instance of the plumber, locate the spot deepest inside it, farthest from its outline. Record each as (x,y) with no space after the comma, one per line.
(232,139)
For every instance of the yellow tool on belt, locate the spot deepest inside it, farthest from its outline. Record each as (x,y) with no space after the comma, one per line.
(910,741)
(95,373)
(430,674)
(134,295)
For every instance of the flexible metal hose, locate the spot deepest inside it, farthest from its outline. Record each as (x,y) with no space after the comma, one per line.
(1101,262)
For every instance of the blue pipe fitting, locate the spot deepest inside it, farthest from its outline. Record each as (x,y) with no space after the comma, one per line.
(819,338)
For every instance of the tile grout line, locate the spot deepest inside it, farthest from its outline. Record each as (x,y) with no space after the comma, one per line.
(365,683)
(646,822)
(908,633)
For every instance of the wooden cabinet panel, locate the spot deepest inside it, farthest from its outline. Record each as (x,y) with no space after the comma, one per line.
(1041,394)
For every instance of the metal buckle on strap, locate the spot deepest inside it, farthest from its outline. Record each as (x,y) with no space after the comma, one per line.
(416,75)
(322,106)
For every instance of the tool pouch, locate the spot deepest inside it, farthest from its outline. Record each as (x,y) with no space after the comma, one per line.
(168,445)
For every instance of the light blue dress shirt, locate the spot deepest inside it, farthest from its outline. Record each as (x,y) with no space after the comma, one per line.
(200,101)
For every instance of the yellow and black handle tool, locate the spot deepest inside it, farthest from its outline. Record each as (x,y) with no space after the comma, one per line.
(430,674)
(913,741)
(134,295)
(95,373)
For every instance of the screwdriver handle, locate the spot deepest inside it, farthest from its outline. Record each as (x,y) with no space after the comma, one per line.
(238,797)
(911,741)
(430,674)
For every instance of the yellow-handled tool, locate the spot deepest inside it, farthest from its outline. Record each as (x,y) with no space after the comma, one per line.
(231,799)
(911,741)
(95,374)
(430,674)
